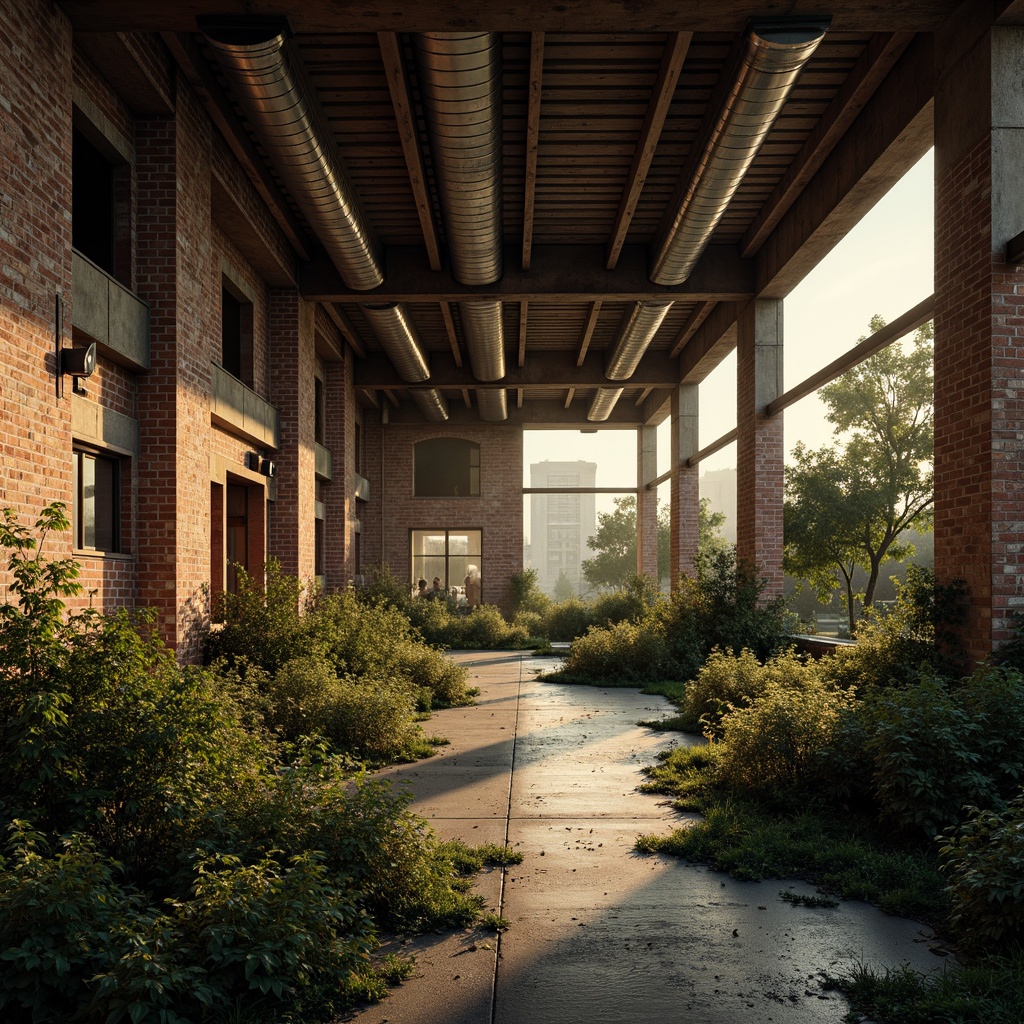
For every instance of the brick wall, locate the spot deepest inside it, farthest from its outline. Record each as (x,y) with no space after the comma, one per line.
(393,511)
(35,258)
(979,384)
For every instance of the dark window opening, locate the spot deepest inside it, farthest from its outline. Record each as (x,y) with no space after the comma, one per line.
(93,219)
(236,534)
(359,449)
(97,502)
(236,328)
(447,468)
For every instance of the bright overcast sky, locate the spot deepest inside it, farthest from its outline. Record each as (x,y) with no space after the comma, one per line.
(883,266)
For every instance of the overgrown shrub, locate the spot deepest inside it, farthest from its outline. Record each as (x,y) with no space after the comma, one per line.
(630,603)
(983,860)
(381,586)
(622,653)
(568,619)
(772,748)
(894,647)
(483,628)
(525,595)
(721,605)
(727,681)
(937,747)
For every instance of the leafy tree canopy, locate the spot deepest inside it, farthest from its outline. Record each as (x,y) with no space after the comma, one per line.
(615,542)
(847,503)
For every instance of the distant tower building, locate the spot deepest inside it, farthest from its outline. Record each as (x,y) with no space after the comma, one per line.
(561,523)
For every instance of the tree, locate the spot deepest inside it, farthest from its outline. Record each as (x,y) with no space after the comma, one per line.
(563,587)
(847,504)
(615,542)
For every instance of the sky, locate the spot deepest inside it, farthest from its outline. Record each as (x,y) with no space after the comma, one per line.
(885,266)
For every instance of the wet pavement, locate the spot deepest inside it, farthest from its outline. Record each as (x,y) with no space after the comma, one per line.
(599,933)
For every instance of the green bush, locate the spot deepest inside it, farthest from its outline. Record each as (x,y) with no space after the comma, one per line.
(568,620)
(381,587)
(630,603)
(483,628)
(772,748)
(893,648)
(937,747)
(983,860)
(623,653)
(721,606)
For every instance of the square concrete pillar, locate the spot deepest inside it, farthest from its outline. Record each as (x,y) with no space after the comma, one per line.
(759,449)
(979,320)
(685,496)
(646,503)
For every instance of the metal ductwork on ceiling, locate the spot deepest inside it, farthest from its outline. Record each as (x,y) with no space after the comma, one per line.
(602,402)
(774,53)
(492,405)
(431,403)
(459,76)
(270,87)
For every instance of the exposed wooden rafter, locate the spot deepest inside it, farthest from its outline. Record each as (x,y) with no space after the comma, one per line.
(588,332)
(696,318)
(342,322)
(524,312)
(676,47)
(394,67)
(453,338)
(532,142)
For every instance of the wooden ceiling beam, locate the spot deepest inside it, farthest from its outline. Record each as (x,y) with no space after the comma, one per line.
(676,47)
(524,313)
(328,16)
(347,328)
(695,319)
(537,414)
(877,60)
(532,142)
(569,395)
(894,130)
(398,84)
(710,344)
(544,369)
(588,332)
(453,338)
(560,273)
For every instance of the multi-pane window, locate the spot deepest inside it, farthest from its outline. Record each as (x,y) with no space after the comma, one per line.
(97,504)
(446,554)
(446,467)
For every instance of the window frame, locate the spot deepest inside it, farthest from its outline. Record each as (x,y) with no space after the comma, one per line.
(79,518)
(421,449)
(469,558)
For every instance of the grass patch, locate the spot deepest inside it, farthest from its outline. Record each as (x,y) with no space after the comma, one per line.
(799,899)
(990,991)
(494,923)
(753,843)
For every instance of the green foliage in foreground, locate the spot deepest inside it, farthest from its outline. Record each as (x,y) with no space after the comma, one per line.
(167,856)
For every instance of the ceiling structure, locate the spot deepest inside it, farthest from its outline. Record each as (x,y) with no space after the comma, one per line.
(550,216)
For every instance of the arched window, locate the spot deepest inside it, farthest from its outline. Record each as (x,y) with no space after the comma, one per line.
(446,467)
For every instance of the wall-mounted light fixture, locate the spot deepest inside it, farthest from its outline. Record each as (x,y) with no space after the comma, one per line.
(259,464)
(267,468)
(78,362)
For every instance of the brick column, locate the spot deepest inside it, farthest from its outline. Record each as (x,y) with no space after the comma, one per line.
(646,503)
(685,483)
(979,321)
(759,454)
(338,494)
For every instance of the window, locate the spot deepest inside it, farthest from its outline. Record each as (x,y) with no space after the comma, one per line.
(446,554)
(319,411)
(446,467)
(100,202)
(236,327)
(97,502)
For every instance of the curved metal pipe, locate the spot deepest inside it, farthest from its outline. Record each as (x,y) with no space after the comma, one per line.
(639,326)
(773,56)
(485,336)
(460,81)
(397,336)
(270,87)
(602,402)
(492,405)
(431,403)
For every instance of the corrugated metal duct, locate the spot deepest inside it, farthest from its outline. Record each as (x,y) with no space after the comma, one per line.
(774,53)
(269,85)
(460,82)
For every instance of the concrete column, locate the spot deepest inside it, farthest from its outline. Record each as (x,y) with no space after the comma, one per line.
(685,483)
(759,454)
(979,320)
(292,516)
(646,503)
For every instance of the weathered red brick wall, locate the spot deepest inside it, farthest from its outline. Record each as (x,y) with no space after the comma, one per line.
(979,464)
(393,511)
(35,258)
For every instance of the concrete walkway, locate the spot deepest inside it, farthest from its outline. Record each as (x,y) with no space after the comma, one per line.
(600,934)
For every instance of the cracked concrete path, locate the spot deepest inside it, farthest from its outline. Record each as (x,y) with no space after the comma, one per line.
(600,934)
